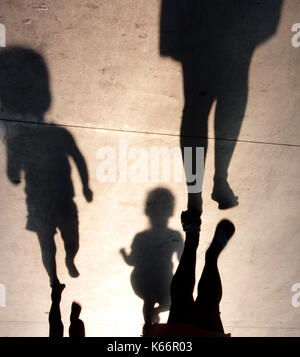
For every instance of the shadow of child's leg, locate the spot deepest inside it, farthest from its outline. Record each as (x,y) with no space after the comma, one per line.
(148,311)
(70,236)
(48,250)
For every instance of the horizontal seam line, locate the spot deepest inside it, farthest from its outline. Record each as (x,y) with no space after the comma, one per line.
(149,133)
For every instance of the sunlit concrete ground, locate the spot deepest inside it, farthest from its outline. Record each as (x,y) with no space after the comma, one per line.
(109,83)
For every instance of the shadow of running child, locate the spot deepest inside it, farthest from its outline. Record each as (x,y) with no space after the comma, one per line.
(41,153)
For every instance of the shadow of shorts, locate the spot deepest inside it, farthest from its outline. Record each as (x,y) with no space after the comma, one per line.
(47,220)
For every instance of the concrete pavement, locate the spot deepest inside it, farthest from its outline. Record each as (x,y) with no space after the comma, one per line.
(109,85)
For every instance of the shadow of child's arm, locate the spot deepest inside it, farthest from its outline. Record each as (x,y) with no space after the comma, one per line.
(13,164)
(82,168)
(128,258)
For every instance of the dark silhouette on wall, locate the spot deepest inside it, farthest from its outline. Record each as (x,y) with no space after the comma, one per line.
(214,40)
(191,317)
(56,327)
(41,153)
(151,255)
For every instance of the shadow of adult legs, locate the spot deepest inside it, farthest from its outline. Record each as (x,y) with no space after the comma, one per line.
(206,307)
(56,327)
(205,83)
(183,282)
(203,313)
(193,132)
(215,40)
(230,109)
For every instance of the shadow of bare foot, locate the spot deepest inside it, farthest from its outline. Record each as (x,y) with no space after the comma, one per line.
(73,272)
(223,194)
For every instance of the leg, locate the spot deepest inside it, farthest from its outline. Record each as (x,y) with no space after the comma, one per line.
(70,235)
(183,282)
(56,327)
(209,297)
(48,249)
(229,115)
(210,286)
(148,311)
(162,296)
(198,102)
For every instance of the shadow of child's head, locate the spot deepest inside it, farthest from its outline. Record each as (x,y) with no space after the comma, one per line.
(159,206)
(24,82)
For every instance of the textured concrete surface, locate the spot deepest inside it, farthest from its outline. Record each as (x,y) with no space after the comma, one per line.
(108,83)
